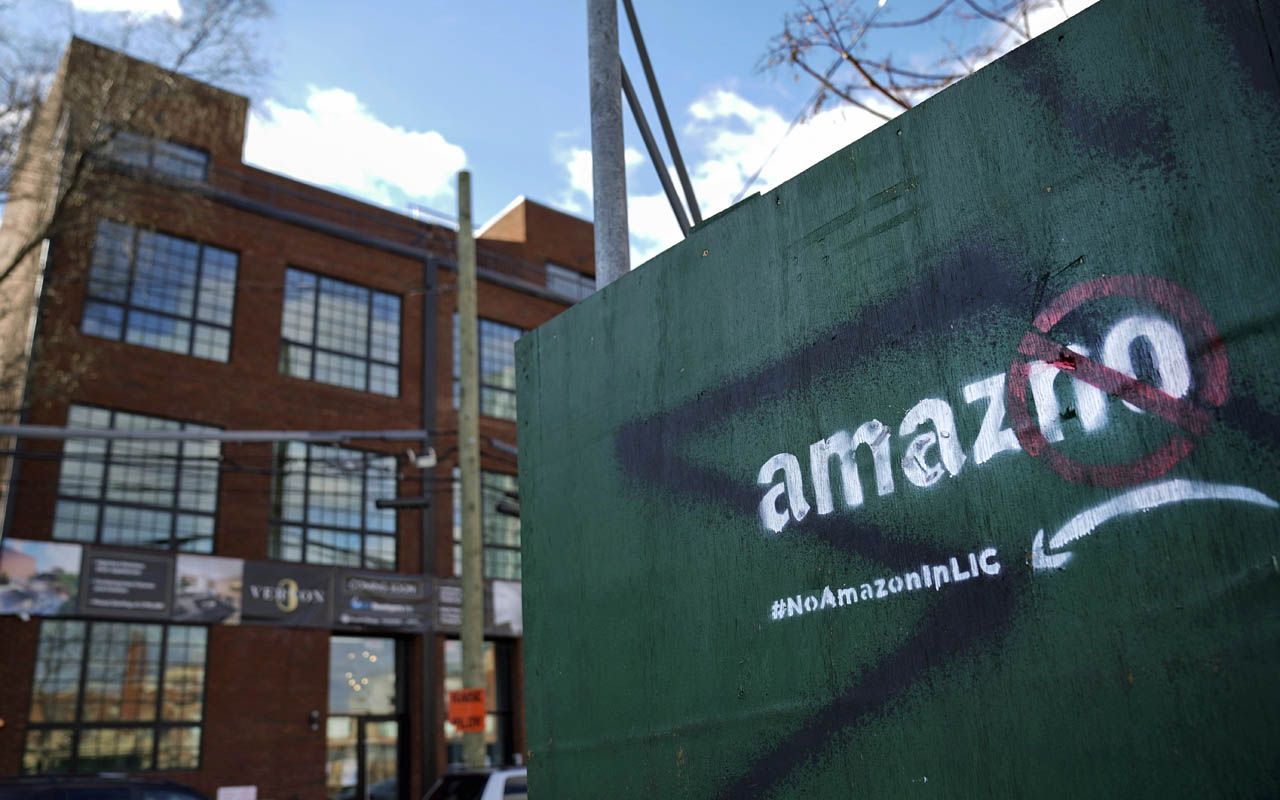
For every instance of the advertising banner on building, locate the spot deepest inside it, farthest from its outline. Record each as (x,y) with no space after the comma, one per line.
(207,589)
(126,585)
(949,466)
(281,593)
(43,578)
(503,610)
(378,600)
(39,578)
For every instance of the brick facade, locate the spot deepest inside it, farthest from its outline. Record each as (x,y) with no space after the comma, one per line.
(262,683)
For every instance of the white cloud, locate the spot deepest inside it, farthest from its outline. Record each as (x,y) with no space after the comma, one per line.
(731,139)
(336,141)
(137,8)
(576,199)
(1046,17)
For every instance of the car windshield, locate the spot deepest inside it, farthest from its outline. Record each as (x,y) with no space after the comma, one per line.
(459,787)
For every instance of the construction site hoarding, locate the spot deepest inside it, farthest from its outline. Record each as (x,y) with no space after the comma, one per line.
(951,465)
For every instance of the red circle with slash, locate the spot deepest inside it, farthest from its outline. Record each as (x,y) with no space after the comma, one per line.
(1191,418)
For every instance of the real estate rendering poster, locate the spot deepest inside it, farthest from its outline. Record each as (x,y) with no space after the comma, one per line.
(39,578)
(207,589)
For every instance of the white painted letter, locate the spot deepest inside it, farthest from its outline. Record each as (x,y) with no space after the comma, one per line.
(792,486)
(992,438)
(1168,353)
(944,436)
(1091,402)
(987,560)
(828,598)
(873,434)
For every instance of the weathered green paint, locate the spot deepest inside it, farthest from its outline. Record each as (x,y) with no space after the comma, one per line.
(1141,138)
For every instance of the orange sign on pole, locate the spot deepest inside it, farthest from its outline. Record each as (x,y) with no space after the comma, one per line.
(466,710)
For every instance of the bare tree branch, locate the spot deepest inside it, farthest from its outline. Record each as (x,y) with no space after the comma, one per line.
(862,35)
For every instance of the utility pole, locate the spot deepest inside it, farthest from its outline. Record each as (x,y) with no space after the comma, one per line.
(469,466)
(608,163)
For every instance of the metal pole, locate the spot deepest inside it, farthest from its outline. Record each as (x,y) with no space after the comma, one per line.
(608,161)
(469,466)
(661,108)
(655,154)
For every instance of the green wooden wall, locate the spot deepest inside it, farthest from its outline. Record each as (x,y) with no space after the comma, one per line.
(941,324)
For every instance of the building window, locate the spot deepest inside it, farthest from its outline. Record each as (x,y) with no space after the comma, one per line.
(500,530)
(569,283)
(157,155)
(137,492)
(115,696)
(323,511)
(340,333)
(160,291)
(497,368)
(498,728)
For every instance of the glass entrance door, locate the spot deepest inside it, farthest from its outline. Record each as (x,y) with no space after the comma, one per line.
(364,760)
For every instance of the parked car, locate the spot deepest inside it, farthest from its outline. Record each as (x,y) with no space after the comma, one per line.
(500,784)
(93,787)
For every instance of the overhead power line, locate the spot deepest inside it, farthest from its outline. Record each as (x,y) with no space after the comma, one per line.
(54,432)
(672,145)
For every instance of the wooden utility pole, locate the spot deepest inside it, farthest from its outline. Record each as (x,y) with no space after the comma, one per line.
(469,467)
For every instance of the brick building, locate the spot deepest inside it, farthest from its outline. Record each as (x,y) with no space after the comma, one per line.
(191,293)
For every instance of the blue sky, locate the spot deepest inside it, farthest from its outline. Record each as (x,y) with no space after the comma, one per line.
(387,99)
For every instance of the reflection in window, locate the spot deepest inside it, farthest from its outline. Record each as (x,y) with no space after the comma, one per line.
(340,333)
(364,709)
(497,697)
(501,531)
(362,675)
(322,506)
(157,155)
(497,368)
(160,291)
(101,697)
(569,283)
(137,493)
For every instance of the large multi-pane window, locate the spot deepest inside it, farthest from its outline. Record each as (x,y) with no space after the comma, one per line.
(160,291)
(569,283)
(499,522)
(137,492)
(115,696)
(497,368)
(323,508)
(340,333)
(157,155)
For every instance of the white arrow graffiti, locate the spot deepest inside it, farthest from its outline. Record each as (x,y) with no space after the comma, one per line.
(1144,498)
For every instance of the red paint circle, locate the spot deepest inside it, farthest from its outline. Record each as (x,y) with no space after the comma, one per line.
(1209,364)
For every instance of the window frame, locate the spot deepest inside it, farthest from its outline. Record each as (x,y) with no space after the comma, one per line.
(150,145)
(128,308)
(157,726)
(102,501)
(276,520)
(487,389)
(499,704)
(485,510)
(584,285)
(313,348)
